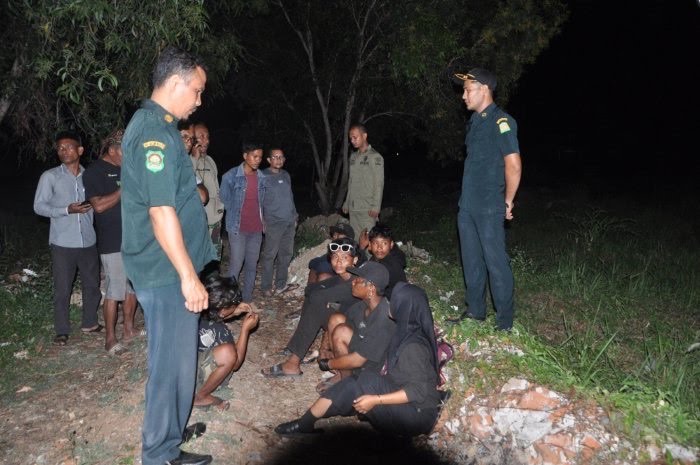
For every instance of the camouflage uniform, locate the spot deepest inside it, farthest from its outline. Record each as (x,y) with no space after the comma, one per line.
(365,188)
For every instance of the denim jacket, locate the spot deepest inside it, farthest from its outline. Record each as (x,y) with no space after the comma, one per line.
(232,194)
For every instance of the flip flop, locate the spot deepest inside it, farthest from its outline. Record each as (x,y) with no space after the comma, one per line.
(96,329)
(221,404)
(310,358)
(60,339)
(324,385)
(276,371)
(117,349)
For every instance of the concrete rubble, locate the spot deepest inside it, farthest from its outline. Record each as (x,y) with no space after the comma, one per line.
(528,424)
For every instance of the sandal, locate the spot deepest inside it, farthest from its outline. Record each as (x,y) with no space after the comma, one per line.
(324,385)
(95,329)
(276,371)
(117,349)
(310,358)
(60,339)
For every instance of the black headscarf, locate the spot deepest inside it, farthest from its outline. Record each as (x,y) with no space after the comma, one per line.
(414,322)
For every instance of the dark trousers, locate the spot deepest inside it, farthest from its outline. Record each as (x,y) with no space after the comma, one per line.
(172,367)
(65,261)
(316,311)
(276,255)
(483,246)
(400,420)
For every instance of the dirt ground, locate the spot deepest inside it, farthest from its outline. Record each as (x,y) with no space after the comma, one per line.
(83,406)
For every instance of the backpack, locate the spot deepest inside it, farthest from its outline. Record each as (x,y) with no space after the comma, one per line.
(445,352)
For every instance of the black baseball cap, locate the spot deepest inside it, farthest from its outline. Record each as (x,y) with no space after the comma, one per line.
(343,228)
(481,75)
(374,272)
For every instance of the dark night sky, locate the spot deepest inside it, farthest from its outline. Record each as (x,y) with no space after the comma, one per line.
(612,101)
(616,94)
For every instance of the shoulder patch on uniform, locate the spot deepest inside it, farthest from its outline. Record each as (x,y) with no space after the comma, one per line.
(503,125)
(154,143)
(155,161)
(378,161)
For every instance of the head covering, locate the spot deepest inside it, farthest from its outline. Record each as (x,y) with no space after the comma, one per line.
(414,323)
(344,229)
(374,272)
(481,75)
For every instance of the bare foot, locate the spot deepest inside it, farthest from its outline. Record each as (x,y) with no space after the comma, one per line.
(205,403)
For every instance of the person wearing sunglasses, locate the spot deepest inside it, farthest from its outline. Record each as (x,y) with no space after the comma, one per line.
(402,397)
(322,299)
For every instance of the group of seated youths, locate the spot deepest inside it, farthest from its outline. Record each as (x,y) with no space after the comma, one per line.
(378,340)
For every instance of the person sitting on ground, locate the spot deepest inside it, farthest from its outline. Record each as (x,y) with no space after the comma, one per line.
(360,337)
(215,337)
(320,267)
(322,300)
(380,244)
(402,399)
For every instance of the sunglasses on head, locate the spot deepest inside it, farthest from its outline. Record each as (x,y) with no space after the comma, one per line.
(334,247)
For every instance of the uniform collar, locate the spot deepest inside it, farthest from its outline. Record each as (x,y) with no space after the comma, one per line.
(486,113)
(168,118)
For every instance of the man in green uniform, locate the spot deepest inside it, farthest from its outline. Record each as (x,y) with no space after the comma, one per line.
(165,244)
(491,178)
(366,182)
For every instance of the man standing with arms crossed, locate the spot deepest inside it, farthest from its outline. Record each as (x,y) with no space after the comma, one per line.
(165,245)
(205,167)
(280,216)
(365,183)
(491,178)
(102,189)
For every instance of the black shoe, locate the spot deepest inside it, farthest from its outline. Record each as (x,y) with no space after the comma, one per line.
(194,431)
(465,315)
(187,458)
(293,428)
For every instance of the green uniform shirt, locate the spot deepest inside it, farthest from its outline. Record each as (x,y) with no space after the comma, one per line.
(156,171)
(491,135)
(366,181)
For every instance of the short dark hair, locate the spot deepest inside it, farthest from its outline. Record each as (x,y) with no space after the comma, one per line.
(381,230)
(360,126)
(174,61)
(250,146)
(69,134)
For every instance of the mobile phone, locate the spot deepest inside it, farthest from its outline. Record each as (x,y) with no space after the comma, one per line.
(85,202)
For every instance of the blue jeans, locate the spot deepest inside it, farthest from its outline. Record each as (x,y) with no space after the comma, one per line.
(483,246)
(276,254)
(244,251)
(172,367)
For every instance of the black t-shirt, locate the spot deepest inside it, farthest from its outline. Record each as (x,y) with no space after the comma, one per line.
(395,262)
(372,334)
(103,178)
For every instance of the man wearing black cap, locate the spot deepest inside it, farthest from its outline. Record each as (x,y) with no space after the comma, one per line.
(360,338)
(491,177)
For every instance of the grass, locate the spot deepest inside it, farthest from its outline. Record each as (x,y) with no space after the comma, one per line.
(605,303)
(606,293)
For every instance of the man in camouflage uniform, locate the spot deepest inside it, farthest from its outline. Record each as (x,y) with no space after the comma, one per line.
(366,182)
